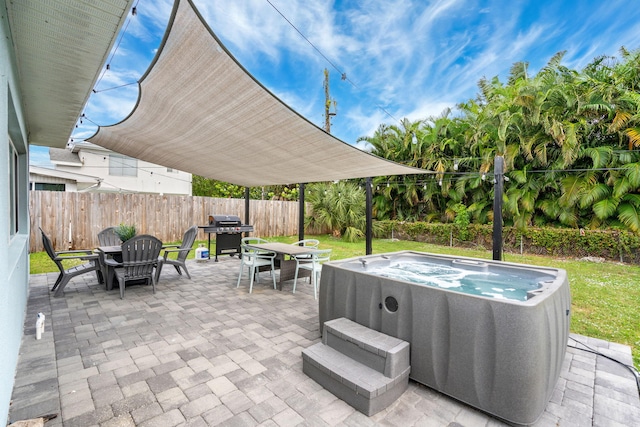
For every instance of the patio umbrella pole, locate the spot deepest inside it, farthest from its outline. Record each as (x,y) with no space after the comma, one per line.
(301,212)
(247,191)
(369,214)
(498,188)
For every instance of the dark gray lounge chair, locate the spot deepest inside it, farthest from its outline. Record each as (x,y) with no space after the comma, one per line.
(182,251)
(139,257)
(108,237)
(70,273)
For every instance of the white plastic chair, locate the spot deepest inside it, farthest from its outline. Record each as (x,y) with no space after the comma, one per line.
(307,243)
(313,264)
(254,260)
(254,240)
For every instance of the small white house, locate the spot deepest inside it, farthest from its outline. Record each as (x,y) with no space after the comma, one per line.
(56,180)
(113,172)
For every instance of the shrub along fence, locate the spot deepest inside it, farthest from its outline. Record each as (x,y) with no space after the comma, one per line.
(73,220)
(617,245)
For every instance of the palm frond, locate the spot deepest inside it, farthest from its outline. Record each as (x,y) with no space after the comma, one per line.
(606,208)
(629,215)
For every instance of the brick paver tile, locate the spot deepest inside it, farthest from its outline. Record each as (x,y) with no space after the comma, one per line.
(287,418)
(221,386)
(122,421)
(200,406)
(132,403)
(167,419)
(236,401)
(146,412)
(172,398)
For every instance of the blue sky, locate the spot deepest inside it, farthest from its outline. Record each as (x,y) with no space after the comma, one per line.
(402,58)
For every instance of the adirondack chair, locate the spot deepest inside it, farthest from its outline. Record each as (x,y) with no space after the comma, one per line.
(67,274)
(107,237)
(182,251)
(139,257)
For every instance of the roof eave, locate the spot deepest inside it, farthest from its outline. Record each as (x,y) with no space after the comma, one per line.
(60,48)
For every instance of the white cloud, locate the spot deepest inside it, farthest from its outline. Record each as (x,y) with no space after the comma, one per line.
(39,156)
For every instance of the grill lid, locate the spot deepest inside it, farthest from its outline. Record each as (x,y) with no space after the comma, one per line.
(224,220)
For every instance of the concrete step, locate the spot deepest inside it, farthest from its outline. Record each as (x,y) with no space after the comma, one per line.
(367,369)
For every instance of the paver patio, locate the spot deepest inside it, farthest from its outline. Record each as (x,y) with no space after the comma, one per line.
(201,352)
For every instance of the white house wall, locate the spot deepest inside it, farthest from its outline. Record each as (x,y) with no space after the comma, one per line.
(150,178)
(14,257)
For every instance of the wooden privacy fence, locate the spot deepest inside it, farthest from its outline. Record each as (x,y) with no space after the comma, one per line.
(73,220)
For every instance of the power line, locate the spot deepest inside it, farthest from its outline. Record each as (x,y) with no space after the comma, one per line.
(342,74)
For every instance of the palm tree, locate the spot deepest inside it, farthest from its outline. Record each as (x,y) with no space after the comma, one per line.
(565,135)
(339,206)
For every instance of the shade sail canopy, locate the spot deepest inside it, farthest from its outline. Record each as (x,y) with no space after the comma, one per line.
(200,111)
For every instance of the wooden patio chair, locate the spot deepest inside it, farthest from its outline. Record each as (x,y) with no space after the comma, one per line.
(182,250)
(67,274)
(139,257)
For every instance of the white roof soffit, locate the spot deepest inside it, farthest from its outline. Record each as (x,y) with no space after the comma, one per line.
(200,111)
(61,46)
(56,173)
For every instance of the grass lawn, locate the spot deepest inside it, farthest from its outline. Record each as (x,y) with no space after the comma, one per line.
(605,296)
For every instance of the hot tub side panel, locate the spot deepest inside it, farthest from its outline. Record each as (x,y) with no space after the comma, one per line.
(499,357)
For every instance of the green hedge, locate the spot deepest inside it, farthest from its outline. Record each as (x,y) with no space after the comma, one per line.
(615,245)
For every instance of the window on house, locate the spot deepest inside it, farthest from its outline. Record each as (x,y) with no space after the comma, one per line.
(49,187)
(120,165)
(13,188)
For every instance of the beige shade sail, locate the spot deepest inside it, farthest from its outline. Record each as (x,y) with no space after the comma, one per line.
(200,111)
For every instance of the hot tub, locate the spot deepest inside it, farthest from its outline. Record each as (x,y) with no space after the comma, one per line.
(488,333)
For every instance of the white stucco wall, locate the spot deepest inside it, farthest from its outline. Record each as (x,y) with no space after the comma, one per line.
(14,257)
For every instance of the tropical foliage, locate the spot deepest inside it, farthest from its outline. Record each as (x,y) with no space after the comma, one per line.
(570,140)
(340,207)
(206,187)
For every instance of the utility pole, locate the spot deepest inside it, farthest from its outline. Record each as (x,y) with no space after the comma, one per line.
(327,103)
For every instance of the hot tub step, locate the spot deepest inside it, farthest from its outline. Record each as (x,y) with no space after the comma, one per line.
(362,387)
(384,353)
(367,369)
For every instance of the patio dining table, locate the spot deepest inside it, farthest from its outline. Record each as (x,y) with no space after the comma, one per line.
(287,266)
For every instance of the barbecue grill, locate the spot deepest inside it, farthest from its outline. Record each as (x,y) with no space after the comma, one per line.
(228,230)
